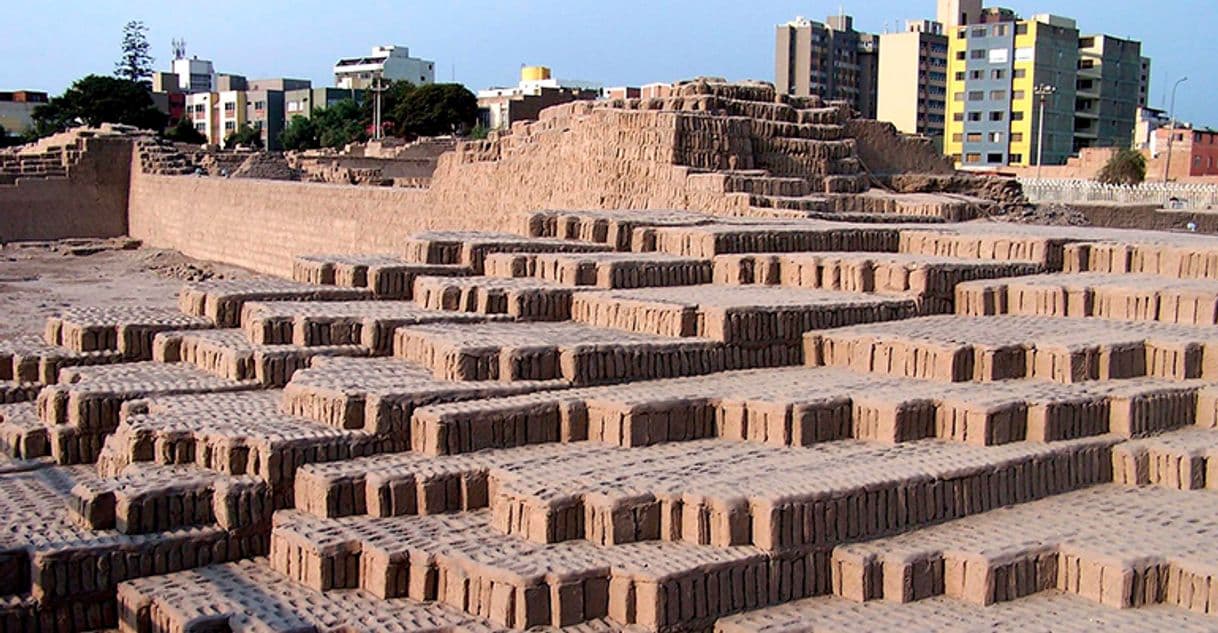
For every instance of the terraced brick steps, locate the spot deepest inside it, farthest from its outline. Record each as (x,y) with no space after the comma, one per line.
(222,300)
(776,237)
(127,330)
(461,562)
(603,270)
(1099,295)
(229,354)
(379,396)
(1046,612)
(803,407)
(386,276)
(931,279)
(575,353)
(234,434)
(369,324)
(709,492)
(1183,459)
(249,595)
(85,408)
(1118,546)
(763,325)
(525,299)
(955,348)
(28,363)
(627,230)
(469,248)
(57,571)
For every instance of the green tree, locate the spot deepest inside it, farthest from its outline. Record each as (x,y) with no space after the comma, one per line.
(339,124)
(135,64)
(436,109)
(96,99)
(1126,167)
(299,133)
(184,132)
(479,132)
(244,135)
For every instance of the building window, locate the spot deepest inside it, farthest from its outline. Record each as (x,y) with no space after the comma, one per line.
(1086,42)
(1017,116)
(995,137)
(976,95)
(960,76)
(1000,73)
(955,158)
(1016,158)
(1000,30)
(979,32)
(974,116)
(976,74)
(1017,95)
(972,157)
(1016,137)
(959,96)
(974,137)
(961,55)
(978,54)
(1020,73)
(1021,29)
(997,115)
(998,95)
(993,158)
(957,138)
(958,116)
(200,126)
(230,126)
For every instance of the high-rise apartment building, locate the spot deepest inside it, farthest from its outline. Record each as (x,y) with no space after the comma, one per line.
(829,60)
(913,79)
(952,13)
(996,69)
(392,63)
(1112,81)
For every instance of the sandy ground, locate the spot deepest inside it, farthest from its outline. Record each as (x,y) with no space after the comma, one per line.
(39,279)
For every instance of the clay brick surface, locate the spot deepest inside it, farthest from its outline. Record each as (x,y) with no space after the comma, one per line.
(1047,612)
(221,301)
(1183,459)
(746,316)
(603,270)
(1095,543)
(525,299)
(128,330)
(369,324)
(1100,295)
(30,361)
(470,248)
(623,230)
(550,351)
(229,354)
(957,348)
(723,238)
(249,595)
(386,276)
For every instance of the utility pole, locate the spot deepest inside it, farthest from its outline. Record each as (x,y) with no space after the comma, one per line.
(1171,132)
(1044,91)
(377,89)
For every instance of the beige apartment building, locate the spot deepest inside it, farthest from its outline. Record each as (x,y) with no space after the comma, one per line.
(913,79)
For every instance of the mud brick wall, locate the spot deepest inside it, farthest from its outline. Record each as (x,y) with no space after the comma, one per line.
(90,202)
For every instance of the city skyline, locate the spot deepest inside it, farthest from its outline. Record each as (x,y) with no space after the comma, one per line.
(612,44)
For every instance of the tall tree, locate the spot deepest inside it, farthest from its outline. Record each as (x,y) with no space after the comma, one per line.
(94,100)
(135,64)
(436,109)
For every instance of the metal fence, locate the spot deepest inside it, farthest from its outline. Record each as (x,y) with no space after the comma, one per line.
(1167,195)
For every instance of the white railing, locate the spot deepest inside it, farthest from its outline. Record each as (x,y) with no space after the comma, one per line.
(1168,195)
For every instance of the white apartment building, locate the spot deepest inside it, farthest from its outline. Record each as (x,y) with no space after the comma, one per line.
(394,63)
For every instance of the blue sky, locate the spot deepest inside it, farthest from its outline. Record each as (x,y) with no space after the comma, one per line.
(484,42)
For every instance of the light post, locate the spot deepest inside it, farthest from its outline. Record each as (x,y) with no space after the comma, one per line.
(378,87)
(1171,133)
(1043,91)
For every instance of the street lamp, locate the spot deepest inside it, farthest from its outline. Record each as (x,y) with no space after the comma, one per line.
(1043,91)
(1171,134)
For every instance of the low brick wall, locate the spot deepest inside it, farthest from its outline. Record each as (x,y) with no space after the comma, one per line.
(90,202)
(261,224)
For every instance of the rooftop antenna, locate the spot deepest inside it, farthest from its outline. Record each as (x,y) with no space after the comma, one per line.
(179,48)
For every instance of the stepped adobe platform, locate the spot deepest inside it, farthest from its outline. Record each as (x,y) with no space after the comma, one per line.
(812,407)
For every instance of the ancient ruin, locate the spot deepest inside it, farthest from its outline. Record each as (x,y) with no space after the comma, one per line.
(717,361)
